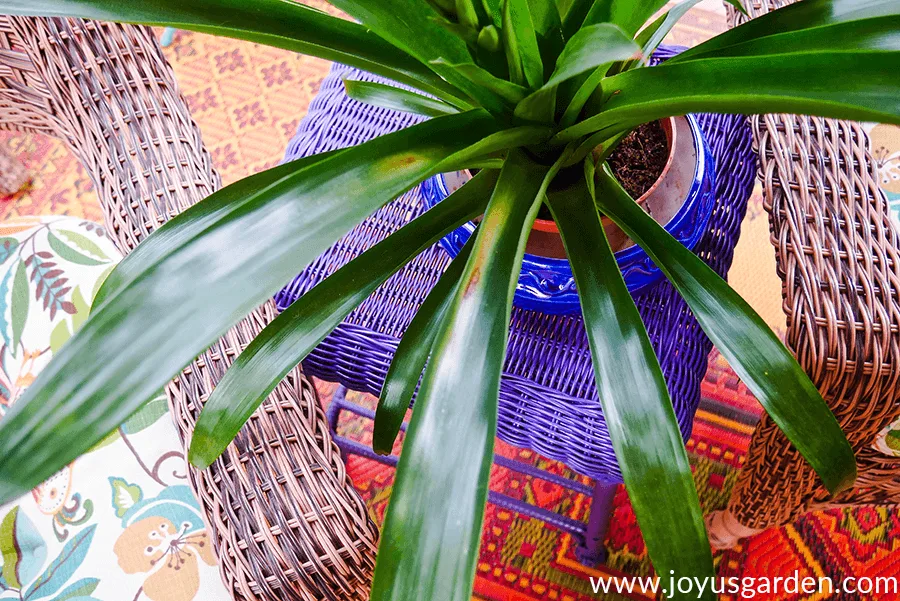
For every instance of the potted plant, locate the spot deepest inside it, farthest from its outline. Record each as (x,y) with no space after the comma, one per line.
(665,165)
(536,97)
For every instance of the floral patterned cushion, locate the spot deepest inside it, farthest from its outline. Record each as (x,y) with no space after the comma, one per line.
(119,523)
(885,147)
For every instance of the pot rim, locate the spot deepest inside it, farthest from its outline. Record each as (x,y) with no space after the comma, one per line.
(668,125)
(548,285)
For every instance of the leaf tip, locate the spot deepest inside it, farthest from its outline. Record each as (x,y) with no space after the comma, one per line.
(202,452)
(844,481)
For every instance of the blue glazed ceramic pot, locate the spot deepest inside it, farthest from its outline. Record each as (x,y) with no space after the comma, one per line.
(546,283)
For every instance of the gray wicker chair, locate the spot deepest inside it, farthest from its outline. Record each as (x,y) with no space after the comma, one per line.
(285,518)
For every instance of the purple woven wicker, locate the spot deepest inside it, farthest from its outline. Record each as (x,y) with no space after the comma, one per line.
(548,400)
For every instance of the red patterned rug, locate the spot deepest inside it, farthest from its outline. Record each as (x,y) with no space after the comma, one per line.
(523,559)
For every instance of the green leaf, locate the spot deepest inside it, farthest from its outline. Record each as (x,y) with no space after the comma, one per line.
(287,25)
(411,26)
(412,353)
(443,6)
(489,38)
(509,92)
(494,9)
(84,243)
(466,14)
(70,254)
(432,532)
(396,99)
(632,390)
(19,303)
(539,106)
(751,348)
(124,495)
(796,17)
(544,16)
(653,34)
(590,48)
(574,16)
(292,335)
(843,85)
(159,322)
(521,45)
(629,15)
(587,50)
(875,35)
(501,141)
(581,96)
(101,279)
(194,221)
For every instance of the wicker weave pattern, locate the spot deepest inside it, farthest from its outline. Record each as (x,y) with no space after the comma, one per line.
(287,523)
(548,400)
(837,253)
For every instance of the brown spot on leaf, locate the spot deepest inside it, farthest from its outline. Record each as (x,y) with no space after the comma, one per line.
(473,281)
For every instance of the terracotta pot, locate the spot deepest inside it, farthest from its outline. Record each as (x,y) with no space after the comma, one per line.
(682,200)
(662,200)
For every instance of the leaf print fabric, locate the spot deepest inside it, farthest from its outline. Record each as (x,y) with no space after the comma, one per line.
(884,145)
(119,523)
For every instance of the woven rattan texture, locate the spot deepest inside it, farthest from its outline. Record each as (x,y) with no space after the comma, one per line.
(288,524)
(548,400)
(837,254)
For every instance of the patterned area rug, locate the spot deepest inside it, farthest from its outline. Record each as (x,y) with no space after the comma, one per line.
(524,559)
(248,100)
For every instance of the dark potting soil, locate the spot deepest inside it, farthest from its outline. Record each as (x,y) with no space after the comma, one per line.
(637,162)
(640,158)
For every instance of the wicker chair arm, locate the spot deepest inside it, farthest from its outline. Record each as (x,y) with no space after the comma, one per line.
(837,255)
(287,522)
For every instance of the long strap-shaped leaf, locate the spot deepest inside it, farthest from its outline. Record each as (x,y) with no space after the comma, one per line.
(287,340)
(796,17)
(278,23)
(636,404)
(154,326)
(574,17)
(431,536)
(413,26)
(875,35)
(397,99)
(193,222)
(588,49)
(412,354)
(630,15)
(545,16)
(171,235)
(751,348)
(520,44)
(843,85)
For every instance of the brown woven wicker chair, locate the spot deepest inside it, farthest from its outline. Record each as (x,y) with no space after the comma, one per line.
(288,524)
(837,250)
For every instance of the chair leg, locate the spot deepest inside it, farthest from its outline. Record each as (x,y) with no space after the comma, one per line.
(591,552)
